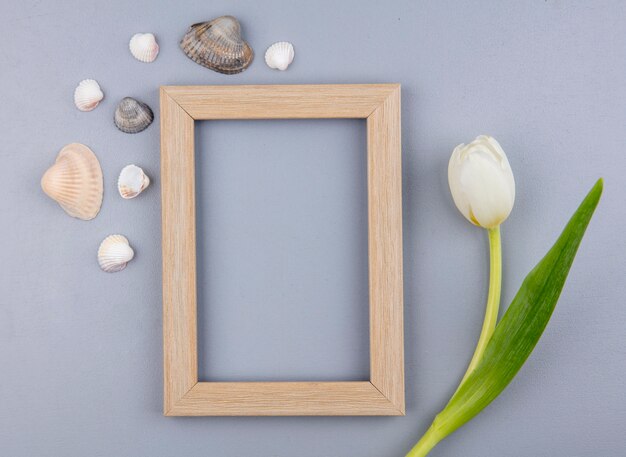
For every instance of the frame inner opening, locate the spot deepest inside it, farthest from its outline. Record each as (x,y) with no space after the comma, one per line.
(282,258)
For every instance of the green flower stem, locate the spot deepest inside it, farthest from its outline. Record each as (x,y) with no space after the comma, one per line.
(493,299)
(426,443)
(518,331)
(432,436)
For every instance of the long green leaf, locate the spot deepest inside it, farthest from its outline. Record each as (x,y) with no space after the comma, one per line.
(521,327)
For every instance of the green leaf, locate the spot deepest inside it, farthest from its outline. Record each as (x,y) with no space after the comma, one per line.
(521,327)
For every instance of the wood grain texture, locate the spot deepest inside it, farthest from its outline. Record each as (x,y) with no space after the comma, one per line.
(284,399)
(184,395)
(280,102)
(180,364)
(384,171)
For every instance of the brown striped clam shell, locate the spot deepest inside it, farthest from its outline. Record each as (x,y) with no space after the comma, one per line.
(218,45)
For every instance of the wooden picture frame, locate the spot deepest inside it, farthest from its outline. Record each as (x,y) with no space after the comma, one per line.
(383,394)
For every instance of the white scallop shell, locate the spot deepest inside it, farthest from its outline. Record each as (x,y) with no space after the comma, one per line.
(132,181)
(143,47)
(279,55)
(114,253)
(87,95)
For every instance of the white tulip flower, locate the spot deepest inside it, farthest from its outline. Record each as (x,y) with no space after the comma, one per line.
(481,182)
(483,189)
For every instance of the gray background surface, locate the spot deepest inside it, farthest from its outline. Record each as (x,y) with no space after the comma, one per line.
(283,226)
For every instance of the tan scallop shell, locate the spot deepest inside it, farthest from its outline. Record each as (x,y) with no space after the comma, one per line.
(114,253)
(218,45)
(75,181)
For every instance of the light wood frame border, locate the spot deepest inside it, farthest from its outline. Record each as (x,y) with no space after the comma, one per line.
(383,394)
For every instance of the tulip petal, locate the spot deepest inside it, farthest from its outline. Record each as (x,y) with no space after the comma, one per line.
(485,183)
(481,182)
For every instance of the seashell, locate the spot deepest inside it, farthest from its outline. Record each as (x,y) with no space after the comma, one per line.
(218,45)
(75,181)
(279,55)
(132,181)
(132,116)
(143,47)
(114,253)
(87,95)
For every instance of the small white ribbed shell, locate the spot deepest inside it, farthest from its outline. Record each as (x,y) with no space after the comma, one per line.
(143,47)
(279,55)
(87,95)
(114,253)
(132,181)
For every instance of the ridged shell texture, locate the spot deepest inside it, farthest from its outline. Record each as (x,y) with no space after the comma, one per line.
(87,95)
(279,55)
(218,45)
(132,116)
(143,47)
(114,253)
(75,181)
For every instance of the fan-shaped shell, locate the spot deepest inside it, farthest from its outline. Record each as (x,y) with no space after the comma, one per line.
(143,47)
(132,116)
(279,55)
(218,45)
(87,95)
(132,181)
(114,253)
(75,181)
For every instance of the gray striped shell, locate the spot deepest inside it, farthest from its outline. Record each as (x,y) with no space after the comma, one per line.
(132,116)
(218,45)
